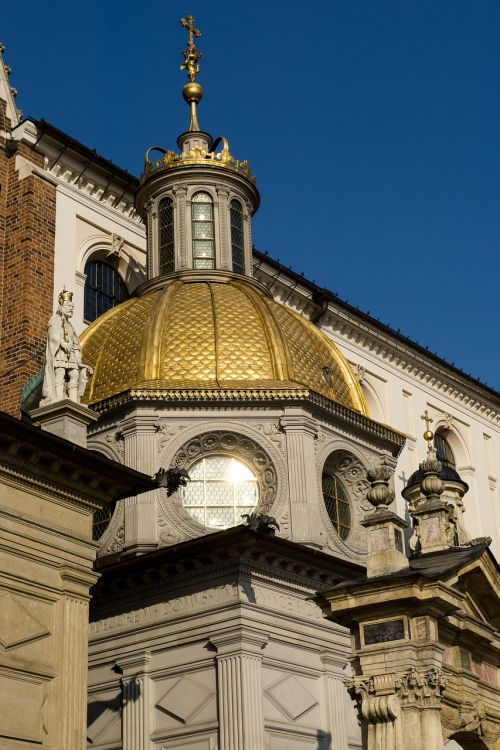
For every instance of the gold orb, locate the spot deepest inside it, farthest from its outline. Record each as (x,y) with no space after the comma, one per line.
(428,435)
(192,92)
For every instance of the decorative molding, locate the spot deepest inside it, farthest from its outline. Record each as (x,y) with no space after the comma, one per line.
(340,321)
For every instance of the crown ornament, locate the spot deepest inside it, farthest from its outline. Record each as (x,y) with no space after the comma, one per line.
(196,156)
(65,296)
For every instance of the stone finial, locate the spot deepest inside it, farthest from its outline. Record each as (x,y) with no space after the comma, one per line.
(434,519)
(380,494)
(384,528)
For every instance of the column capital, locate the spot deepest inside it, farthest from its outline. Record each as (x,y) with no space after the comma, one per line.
(298,423)
(334,663)
(134,665)
(239,640)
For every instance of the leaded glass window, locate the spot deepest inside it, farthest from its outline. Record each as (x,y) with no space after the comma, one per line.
(104,289)
(221,490)
(166,236)
(444,454)
(237,245)
(337,505)
(202,222)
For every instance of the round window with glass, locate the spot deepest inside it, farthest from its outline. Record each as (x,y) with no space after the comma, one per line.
(337,504)
(221,490)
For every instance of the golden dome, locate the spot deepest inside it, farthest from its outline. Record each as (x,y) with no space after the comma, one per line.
(218,333)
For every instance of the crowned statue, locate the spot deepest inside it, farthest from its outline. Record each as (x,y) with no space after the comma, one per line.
(65,374)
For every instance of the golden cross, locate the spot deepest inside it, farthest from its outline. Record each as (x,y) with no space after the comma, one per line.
(191,54)
(428,434)
(188,23)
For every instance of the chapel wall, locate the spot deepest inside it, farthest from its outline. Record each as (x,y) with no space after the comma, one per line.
(238,662)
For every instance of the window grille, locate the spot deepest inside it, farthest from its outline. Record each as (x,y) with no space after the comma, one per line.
(444,454)
(166,255)
(237,244)
(202,223)
(337,505)
(221,489)
(104,289)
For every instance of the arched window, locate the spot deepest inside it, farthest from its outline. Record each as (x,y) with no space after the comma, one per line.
(202,222)
(444,454)
(237,246)
(166,260)
(104,289)
(337,504)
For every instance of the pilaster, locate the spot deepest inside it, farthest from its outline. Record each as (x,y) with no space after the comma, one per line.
(335,694)
(301,433)
(137,696)
(141,528)
(72,719)
(225,230)
(239,679)
(139,444)
(180,192)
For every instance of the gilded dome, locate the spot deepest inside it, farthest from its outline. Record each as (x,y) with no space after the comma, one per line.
(218,333)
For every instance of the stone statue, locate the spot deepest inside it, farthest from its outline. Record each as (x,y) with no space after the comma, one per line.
(65,374)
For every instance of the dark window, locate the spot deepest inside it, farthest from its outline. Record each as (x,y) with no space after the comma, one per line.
(166,236)
(103,289)
(237,245)
(444,453)
(102,517)
(337,505)
(202,214)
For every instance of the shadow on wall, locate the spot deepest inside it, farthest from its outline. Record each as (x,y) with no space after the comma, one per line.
(465,741)
(102,713)
(324,740)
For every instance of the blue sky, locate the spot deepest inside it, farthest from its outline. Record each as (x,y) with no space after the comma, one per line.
(372,128)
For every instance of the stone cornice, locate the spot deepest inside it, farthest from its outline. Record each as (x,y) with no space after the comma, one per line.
(350,324)
(380,434)
(70,163)
(48,464)
(235,551)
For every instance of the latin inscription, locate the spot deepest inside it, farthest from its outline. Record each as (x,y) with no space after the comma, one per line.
(204,600)
(381,632)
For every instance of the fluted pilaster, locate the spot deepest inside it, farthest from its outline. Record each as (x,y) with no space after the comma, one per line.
(335,699)
(74,659)
(137,702)
(300,436)
(239,682)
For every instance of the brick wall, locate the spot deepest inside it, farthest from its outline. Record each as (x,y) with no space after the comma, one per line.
(27,234)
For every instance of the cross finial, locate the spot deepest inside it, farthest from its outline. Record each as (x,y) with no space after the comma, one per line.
(428,434)
(191,54)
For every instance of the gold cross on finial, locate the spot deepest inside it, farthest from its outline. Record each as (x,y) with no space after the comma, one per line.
(428,434)
(191,54)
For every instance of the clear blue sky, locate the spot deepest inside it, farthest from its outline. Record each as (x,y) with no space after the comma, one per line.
(372,128)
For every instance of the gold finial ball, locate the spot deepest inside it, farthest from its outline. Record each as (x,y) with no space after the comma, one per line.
(428,436)
(192,92)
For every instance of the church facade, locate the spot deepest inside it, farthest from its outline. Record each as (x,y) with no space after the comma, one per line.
(262,398)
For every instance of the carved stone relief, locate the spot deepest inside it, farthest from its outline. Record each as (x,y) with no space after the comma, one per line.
(186,446)
(351,470)
(113,539)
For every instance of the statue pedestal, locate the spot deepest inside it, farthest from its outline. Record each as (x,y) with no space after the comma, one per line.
(65,418)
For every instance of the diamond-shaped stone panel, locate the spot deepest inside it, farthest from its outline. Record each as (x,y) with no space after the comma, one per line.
(291,697)
(185,699)
(17,624)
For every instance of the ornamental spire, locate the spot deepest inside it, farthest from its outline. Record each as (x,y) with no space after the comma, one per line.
(192,91)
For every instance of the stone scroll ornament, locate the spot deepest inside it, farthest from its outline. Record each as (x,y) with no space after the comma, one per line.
(65,374)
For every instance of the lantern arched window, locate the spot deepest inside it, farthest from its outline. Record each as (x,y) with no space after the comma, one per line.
(237,242)
(166,254)
(202,224)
